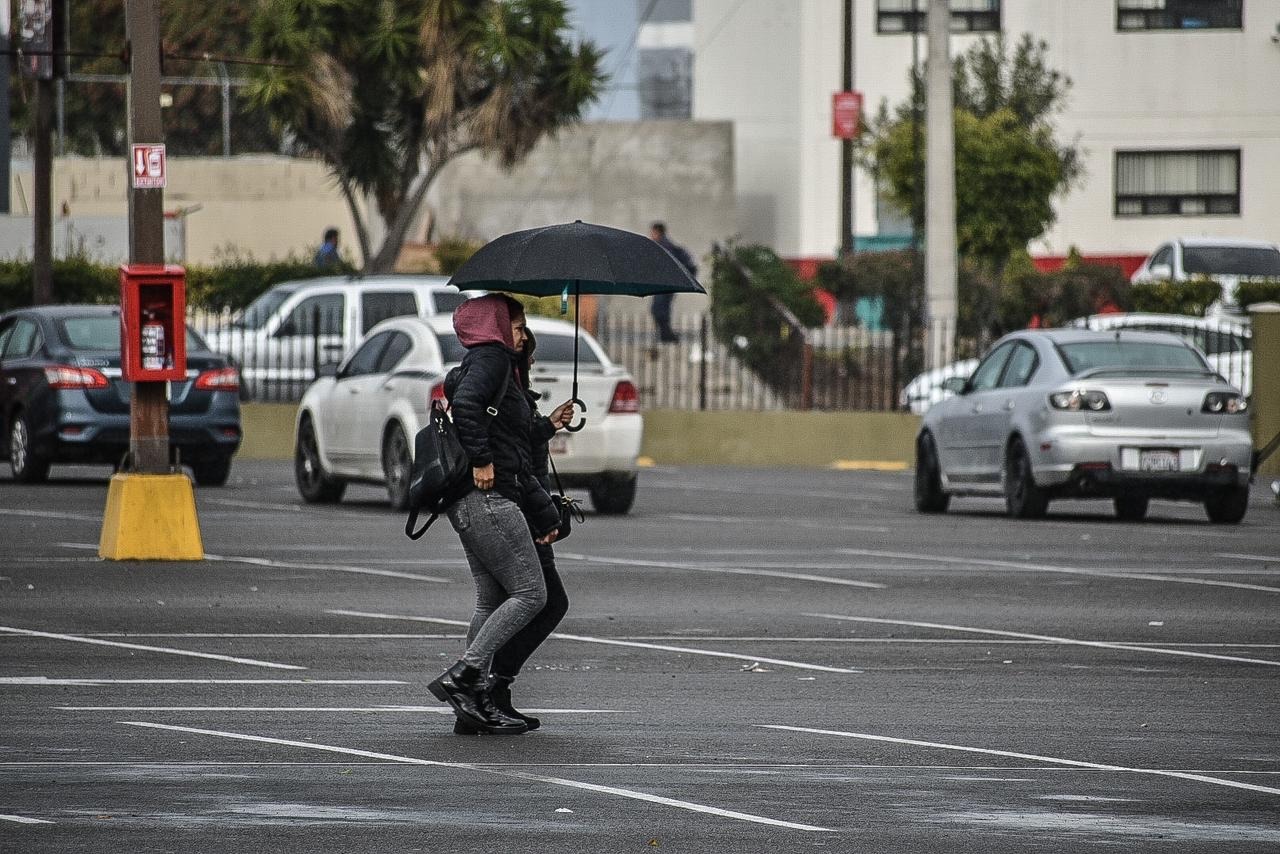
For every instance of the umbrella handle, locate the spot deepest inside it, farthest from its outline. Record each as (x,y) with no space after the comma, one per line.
(580,404)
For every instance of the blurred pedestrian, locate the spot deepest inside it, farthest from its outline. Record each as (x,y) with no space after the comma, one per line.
(327,254)
(660,307)
(494,521)
(510,658)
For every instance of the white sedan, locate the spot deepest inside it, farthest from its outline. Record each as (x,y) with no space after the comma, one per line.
(357,423)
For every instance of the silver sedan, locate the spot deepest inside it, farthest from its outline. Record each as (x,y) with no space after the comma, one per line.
(1050,414)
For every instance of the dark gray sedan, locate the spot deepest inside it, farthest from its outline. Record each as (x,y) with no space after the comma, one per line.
(1051,414)
(62,398)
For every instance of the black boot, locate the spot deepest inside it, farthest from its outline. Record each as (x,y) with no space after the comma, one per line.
(462,687)
(500,694)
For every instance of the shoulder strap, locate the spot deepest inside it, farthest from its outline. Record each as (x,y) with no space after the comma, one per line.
(497,398)
(413,520)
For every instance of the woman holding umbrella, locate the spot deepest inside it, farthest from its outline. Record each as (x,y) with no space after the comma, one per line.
(494,423)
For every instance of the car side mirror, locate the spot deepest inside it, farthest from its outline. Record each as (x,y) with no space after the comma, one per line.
(956,385)
(1161,272)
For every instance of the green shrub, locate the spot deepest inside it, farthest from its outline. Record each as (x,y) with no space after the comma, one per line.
(1077,290)
(452,252)
(1249,293)
(743,278)
(74,280)
(1175,297)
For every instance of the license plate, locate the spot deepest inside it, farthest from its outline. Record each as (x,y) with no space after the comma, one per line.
(1159,461)
(559,445)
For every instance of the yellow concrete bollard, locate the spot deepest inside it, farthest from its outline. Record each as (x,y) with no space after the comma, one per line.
(150,517)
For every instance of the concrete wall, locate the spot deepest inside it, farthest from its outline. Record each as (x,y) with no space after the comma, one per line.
(621,174)
(677,437)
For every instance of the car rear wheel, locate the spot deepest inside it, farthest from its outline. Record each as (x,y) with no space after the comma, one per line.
(1131,508)
(1022,498)
(27,465)
(212,472)
(397,465)
(314,483)
(928,492)
(613,495)
(1228,506)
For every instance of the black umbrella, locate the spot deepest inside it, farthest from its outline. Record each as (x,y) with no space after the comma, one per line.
(578,258)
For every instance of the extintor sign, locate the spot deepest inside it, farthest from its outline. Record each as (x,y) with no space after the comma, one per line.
(148,164)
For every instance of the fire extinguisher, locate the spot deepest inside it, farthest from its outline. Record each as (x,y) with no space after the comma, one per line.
(153,349)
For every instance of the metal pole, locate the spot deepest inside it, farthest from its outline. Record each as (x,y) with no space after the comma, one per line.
(6,145)
(940,184)
(226,108)
(702,363)
(846,145)
(149,407)
(42,203)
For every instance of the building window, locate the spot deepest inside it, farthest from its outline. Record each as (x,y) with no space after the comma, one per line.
(1177,183)
(908,16)
(1137,15)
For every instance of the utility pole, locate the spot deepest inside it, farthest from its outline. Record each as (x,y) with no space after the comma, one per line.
(42,189)
(149,407)
(6,144)
(940,188)
(846,144)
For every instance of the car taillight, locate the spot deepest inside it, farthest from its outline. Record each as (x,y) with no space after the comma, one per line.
(1224,403)
(625,398)
(1080,400)
(67,376)
(219,379)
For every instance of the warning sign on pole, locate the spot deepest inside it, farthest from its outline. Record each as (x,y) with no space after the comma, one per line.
(846,109)
(148,166)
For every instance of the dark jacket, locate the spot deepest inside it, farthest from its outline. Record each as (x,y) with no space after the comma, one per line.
(541,433)
(506,439)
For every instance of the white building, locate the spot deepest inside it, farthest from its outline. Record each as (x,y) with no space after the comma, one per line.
(1175,105)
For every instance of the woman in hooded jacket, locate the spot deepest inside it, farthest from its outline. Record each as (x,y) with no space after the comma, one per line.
(494,422)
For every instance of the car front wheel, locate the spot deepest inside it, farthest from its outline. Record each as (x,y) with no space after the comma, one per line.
(314,483)
(27,465)
(928,493)
(1227,506)
(613,495)
(1022,498)
(397,465)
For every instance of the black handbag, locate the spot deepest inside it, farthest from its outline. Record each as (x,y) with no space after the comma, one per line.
(568,507)
(441,471)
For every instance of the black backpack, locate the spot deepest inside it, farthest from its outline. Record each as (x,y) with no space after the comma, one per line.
(441,471)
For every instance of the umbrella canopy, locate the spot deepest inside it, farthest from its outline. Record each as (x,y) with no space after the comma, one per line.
(577,258)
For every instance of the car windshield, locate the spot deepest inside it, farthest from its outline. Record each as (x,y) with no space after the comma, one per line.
(1231,261)
(1129,355)
(552,347)
(262,308)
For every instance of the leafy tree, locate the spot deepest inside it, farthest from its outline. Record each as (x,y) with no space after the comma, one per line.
(1009,163)
(386,92)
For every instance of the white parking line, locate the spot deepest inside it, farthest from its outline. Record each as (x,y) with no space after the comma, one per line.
(1066,570)
(1049,639)
(611,642)
(723,570)
(255,505)
(161,649)
(517,775)
(778,520)
(44,680)
(22,819)
(1259,558)
(417,710)
(1053,760)
(52,514)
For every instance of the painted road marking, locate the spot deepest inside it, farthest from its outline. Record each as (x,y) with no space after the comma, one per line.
(52,514)
(44,680)
(724,570)
(869,465)
(254,505)
(611,642)
(776,520)
(1066,570)
(1053,760)
(22,819)
(161,649)
(1261,558)
(517,775)
(443,710)
(1049,639)
(287,564)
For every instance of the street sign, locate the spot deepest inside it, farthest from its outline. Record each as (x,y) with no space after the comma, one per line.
(148,166)
(846,110)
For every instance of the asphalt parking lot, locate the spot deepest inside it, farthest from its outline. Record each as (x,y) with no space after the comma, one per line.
(753,661)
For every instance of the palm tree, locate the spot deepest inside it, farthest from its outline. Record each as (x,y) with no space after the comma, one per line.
(386,92)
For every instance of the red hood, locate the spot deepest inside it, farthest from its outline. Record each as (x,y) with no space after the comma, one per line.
(483,320)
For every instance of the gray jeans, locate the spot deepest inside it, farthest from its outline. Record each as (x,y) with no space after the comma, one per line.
(510,589)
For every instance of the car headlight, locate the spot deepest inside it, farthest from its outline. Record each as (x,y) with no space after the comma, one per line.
(1224,403)
(1079,400)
